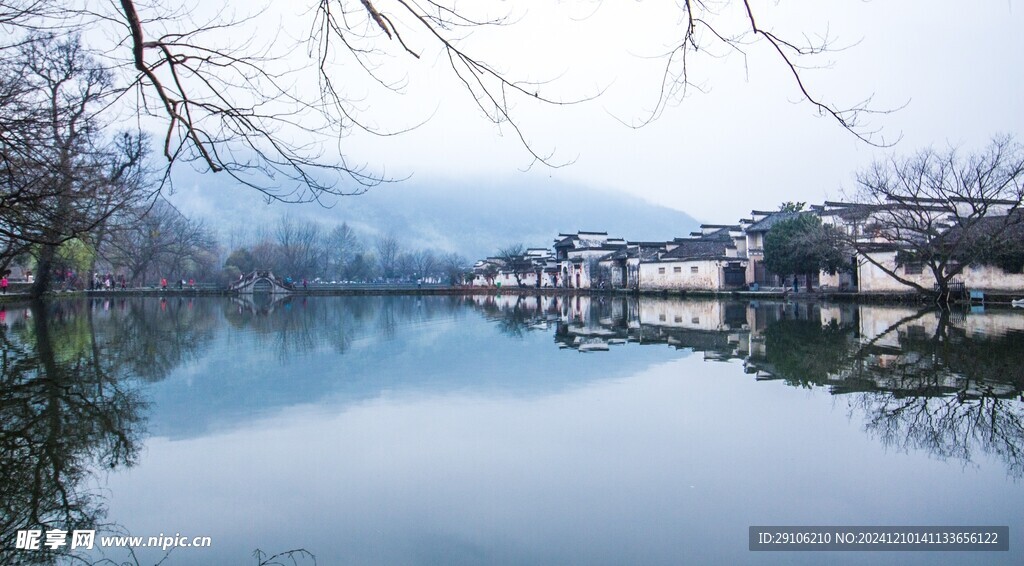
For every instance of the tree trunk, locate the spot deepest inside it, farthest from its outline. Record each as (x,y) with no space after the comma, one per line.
(44,270)
(941,285)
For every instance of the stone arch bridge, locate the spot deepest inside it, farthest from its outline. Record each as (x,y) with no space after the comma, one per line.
(247,284)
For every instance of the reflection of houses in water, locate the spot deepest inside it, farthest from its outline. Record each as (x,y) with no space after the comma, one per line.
(595,323)
(517,313)
(719,329)
(899,350)
(845,347)
(921,381)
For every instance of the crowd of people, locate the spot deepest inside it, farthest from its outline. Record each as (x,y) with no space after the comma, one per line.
(108,281)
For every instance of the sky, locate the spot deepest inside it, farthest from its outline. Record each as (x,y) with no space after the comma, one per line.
(952,72)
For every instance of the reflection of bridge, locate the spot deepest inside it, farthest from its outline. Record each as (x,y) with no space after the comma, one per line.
(247,304)
(248,284)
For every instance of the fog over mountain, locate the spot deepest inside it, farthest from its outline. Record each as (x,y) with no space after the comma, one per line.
(472,219)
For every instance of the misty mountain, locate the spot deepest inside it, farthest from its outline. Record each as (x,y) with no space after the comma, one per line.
(472,219)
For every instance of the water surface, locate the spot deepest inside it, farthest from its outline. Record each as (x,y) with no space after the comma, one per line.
(448,430)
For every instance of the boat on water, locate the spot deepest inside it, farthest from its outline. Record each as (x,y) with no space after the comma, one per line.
(1018,303)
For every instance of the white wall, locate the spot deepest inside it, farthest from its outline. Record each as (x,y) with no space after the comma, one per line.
(707,278)
(977,277)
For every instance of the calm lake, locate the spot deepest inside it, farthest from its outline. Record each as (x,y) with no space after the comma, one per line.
(504,429)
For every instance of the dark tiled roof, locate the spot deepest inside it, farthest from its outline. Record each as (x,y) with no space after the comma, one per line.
(697,249)
(772,219)
(619,254)
(943,201)
(1005,226)
(649,253)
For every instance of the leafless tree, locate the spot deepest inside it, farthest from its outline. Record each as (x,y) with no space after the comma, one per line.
(60,178)
(300,247)
(388,253)
(424,263)
(162,242)
(405,266)
(244,107)
(454,267)
(945,210)
(515,261)
(342,245)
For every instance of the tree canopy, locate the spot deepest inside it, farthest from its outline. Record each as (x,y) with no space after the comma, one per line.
(801,244)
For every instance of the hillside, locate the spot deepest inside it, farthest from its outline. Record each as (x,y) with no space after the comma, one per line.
(474,220)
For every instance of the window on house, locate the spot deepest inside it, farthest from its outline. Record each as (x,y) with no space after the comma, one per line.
(677,270)
(916,331)
(695,320)
(661,317)
(661,270)
(913,268)
(693,269)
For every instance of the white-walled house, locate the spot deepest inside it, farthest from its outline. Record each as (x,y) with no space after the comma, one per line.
(866,222)
(695,265)
(722,257)
(579,256)
(621,268)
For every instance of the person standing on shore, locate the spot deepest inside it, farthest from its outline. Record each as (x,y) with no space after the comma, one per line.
(3,283)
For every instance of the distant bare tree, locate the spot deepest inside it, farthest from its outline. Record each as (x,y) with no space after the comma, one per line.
(454,267)
(266,254)
(424,263)
(300,246)
(405,266)
(162,242)
(342,245)
(388,253)
(515,262)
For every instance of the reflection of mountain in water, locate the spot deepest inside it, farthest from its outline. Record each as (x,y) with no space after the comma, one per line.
(346,350)
(948,383)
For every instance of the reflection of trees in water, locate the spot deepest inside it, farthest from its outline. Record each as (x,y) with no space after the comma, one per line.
(947,426)
(515,315)
(299,325)
(949,393)
(154,337)
(946,391)
(70,404)
(67,407)
(805,353)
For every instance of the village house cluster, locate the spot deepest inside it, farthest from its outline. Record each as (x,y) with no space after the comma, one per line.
(729,257)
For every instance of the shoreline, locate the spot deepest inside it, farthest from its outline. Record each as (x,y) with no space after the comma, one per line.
(994,299)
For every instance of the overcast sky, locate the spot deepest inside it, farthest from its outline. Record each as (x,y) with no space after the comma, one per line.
(747,142)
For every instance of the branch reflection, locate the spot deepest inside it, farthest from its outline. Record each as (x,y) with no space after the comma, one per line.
(948,383)
(70,405)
